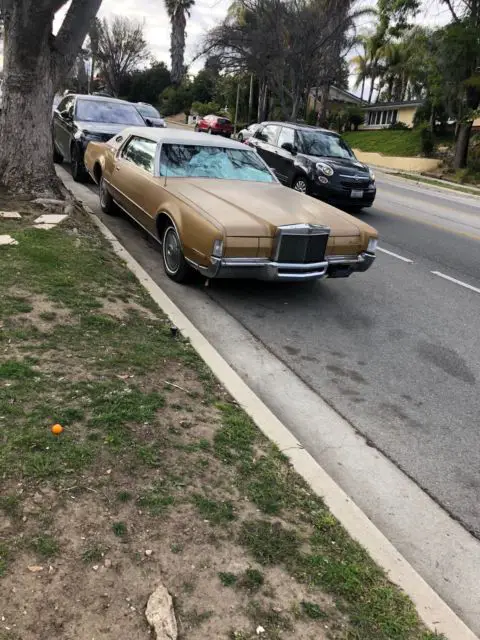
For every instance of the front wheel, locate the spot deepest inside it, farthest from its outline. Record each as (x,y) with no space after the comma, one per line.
(174,263)
(210,131)
(196,129)
(240,137)
(79,173)
(301,184)
(107,205)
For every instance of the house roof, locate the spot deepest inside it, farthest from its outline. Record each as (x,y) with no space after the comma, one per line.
(335,93)
(376,106)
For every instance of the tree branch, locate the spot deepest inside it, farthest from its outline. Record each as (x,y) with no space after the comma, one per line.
(74,29)
(452,10)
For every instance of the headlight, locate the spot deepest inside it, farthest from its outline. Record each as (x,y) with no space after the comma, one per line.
(326,169)
(217,250)
(372,175)
(372,245)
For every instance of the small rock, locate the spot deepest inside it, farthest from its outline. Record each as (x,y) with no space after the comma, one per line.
(148,552)
(7,240)
(10,215)
(35,568)
(49,202)
(37,498)
(95,567)
(107,563)
(161,615)
(260,630)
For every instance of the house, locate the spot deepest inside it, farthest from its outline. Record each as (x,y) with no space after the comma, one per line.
(383,114)
(338,99)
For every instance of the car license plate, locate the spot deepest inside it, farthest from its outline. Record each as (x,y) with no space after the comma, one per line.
(356,193)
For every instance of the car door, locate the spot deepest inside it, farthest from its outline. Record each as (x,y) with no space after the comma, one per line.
(63,125)
(285,154)
(132,179)
(265,140)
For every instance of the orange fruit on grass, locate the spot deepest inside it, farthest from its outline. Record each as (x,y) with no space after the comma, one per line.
(57,429)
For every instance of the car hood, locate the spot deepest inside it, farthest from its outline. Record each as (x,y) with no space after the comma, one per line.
(157,122)
(350,166)
(100,127)
(258,208)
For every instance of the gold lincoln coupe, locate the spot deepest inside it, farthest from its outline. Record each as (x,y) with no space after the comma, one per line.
(217,208)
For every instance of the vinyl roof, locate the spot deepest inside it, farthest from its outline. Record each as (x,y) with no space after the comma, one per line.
(181,136)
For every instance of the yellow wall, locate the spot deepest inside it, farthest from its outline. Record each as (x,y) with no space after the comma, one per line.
(406,115)
(397,163)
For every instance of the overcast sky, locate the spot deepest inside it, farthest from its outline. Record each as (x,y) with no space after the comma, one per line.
(205,14)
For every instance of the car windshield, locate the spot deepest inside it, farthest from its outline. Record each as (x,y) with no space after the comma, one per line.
(148,111)
(107,112)
(318,143)
(198,161)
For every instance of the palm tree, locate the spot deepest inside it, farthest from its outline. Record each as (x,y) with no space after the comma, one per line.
(361,68)
(178,10)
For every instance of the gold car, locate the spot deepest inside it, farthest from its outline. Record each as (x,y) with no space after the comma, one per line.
(217,208)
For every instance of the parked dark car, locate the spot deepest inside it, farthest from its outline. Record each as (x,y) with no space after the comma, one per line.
(151,116)
(215,125)
(79,119)
(317,162)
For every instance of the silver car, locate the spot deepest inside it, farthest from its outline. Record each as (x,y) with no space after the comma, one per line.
(247,133)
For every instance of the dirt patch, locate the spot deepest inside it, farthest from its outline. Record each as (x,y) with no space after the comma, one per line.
(122,310)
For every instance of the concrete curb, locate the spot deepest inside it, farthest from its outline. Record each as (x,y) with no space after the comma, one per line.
(434,612)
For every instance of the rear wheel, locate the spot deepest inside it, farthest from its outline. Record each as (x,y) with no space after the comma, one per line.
(210,131)
(79,173)
(301,184)
(107,205)
(174,263)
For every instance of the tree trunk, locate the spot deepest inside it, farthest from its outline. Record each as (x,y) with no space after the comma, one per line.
(250,100)
(461,145)
(26,153)
(177,50)
(262,101)
(372,87)
(363,88)
(35,63)
(322,116)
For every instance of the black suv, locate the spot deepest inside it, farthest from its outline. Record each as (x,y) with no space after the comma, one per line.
(315,161)
(78,119)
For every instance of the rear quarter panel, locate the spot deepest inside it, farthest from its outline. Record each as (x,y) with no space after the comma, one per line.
(102,154)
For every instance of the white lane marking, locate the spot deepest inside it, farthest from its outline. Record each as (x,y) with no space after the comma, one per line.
(462,284)
(395,255)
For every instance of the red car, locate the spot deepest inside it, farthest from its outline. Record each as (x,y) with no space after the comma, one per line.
(215,125)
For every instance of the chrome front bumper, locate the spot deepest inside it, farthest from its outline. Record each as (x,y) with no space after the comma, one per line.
(262,269)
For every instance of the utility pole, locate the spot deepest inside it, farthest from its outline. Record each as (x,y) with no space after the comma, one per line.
(250,100)
(236,109)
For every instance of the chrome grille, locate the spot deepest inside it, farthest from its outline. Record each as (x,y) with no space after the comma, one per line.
(302,244)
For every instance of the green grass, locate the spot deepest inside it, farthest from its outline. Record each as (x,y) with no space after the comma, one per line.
(115,421)
(45,546)
(312,610)
(227,579)
(214,511)
(386,141)
(119,529)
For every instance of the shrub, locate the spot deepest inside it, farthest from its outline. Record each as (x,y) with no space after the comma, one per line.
(399,126)
(427,141)
(355,117)
(175,99)
(205,108)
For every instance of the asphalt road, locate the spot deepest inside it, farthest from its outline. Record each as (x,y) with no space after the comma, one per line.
(396,350)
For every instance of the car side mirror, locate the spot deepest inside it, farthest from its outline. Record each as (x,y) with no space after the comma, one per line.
(66,114)
(288,146)
(148,122)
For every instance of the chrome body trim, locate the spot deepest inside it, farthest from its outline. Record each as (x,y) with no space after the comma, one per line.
(303,229)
